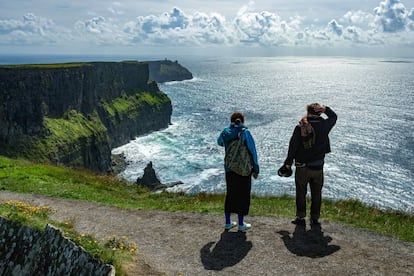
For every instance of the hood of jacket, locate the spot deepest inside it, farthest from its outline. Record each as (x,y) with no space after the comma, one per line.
(232,132)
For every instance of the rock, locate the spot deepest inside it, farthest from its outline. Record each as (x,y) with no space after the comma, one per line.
(119,163)
(149,179)
(172,184)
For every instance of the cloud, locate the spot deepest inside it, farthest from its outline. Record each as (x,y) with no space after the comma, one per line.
(178,28)
(410,24)
(99,31)
(336,28)
(212,29)
(263,28)
(170,27)
(358,18)
(176,19)
(390,23)
(115,8)
(392,16)
(31,30)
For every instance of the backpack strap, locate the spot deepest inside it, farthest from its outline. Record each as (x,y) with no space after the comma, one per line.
(241,133)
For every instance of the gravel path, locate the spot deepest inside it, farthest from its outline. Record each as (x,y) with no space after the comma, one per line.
(195,244)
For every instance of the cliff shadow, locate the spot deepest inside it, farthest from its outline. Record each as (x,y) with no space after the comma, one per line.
(311,243)
(228,251)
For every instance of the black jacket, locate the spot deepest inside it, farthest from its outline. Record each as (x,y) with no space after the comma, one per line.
(317,152)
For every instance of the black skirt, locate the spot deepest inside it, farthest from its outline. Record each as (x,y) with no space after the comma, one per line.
(238,193)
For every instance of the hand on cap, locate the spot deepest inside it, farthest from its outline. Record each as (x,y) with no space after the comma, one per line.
(320,108)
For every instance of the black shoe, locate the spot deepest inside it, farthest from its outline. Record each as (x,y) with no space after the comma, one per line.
(315,222)
(299,221)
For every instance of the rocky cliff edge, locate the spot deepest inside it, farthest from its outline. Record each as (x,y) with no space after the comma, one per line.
(75,113)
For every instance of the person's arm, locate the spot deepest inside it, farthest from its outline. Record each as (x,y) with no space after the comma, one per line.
(293,147)
(332,117)
(220,140)
(248,138)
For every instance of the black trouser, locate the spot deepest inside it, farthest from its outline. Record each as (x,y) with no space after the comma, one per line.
(238,193)
(303,176)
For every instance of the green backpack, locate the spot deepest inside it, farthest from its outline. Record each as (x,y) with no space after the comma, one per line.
(237,157)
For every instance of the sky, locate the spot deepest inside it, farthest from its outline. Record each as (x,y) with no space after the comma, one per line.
(210,27)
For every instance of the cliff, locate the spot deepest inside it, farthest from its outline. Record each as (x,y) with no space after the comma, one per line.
(26,251)
(167,70)
(75,113)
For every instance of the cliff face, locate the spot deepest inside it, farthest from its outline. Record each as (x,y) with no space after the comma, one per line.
(167,70)
(26,251)
(75,113)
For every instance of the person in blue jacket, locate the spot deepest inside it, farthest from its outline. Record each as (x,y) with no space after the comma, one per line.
(238,187)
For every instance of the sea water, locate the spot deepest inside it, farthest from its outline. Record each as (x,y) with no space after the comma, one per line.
(372,156)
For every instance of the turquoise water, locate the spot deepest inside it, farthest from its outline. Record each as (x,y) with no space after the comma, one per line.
(372,143)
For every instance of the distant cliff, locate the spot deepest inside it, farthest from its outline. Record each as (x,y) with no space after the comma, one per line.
(75,113)
(167,70)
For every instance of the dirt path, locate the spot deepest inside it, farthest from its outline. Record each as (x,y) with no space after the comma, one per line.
(195,244)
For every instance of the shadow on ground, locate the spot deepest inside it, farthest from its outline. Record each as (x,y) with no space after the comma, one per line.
(228,251)
(311,243)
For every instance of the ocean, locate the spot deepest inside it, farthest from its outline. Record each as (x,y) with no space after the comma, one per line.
(372,156)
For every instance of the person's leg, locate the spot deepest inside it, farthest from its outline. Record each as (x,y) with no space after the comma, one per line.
(238,194)
(246,195)
(227,216)
(229,224)
(230,193)
(242,225)
(301,182)
(229,201)
(316,184)
(241,219)
(244,190)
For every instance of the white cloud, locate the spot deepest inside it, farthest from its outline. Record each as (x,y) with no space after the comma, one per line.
(176,27)
(336,28)
(410,24)
(212,29)
(99,31)
(116,9)
(388,24)
(31,30)
(358,18)
(264,28)
(391,16)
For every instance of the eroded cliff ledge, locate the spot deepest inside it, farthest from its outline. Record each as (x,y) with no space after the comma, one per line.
(75,113)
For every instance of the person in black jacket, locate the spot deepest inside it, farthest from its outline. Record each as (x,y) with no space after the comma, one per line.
(307,147)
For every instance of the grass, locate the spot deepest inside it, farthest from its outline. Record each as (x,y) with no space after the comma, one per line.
(65,134)
(22,176)
(127,105)
(65,65)
(46,66)
(63,137)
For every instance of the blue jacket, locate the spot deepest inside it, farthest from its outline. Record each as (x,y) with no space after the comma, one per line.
(231,133)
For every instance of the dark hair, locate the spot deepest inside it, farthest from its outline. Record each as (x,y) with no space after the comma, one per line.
(311,109)
(237,118)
